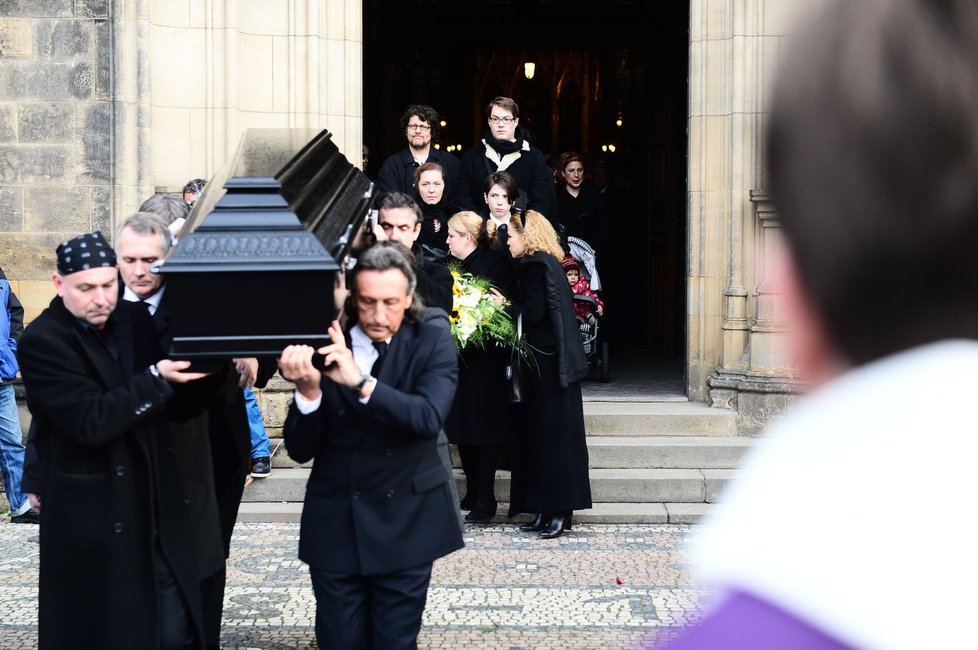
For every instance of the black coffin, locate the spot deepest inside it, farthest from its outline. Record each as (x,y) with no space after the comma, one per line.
(256,264)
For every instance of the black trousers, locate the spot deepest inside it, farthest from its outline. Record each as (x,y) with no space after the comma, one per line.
(212,595)
(380,612)
(176,629)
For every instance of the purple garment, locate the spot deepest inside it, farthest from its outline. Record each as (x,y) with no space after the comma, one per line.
(743,622)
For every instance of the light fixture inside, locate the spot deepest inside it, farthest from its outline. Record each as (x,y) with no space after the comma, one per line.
(529,69)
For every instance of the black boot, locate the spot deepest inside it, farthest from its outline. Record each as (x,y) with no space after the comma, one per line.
(483,466)
(560,522)
(536,525)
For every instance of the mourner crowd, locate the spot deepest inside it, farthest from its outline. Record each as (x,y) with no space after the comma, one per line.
(135,463)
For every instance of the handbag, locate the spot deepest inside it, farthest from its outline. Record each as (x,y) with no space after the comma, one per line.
(514,370)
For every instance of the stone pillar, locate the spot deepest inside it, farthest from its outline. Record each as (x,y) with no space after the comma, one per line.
(763,385)
(250,64)
(734,49)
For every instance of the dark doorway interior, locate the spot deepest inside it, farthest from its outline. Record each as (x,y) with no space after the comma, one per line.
(597,62)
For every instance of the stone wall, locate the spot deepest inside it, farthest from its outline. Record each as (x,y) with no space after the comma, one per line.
(56,134)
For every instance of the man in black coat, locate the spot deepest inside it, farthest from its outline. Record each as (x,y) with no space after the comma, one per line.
(209,425)
(420,125)
(118,568)
(504,148)
(378,507)
(400,219)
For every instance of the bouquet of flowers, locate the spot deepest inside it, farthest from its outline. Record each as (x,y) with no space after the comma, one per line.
(476,318)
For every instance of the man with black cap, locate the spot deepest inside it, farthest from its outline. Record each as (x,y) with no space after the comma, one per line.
(116,551)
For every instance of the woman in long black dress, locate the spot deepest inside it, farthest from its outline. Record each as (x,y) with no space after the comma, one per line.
(549,460)
(479,420)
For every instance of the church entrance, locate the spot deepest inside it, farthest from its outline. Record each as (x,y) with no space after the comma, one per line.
(609,80)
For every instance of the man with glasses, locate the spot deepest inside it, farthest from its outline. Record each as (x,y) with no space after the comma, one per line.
(504,148)
(420,124)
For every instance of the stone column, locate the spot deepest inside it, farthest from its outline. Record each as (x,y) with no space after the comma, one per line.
(250,64)
(734,48)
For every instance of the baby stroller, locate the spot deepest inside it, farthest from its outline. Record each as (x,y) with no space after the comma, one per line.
(595,348)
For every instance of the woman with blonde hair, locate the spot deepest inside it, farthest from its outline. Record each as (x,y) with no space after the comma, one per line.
(549,461)
(480,417)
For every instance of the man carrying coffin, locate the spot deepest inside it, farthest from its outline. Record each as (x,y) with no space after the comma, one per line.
(378,507)
(117,568)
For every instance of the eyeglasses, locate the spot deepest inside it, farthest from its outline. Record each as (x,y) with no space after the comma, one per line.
(501,120)
(418,127)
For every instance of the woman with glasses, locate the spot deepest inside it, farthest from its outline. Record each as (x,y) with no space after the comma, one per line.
(504,147)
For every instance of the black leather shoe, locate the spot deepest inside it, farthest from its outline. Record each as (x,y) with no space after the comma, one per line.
(536,525)
(481,515)
(32,516)
(558,524)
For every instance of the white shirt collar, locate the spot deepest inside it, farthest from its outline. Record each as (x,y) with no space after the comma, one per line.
(153,301)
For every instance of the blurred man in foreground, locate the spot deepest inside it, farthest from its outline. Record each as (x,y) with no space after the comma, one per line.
(873,163)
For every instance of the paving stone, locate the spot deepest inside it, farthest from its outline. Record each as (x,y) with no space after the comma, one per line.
(599,586)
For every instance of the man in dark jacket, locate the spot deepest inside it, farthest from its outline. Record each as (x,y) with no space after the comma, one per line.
(504,148)
(400,219)
(420,125)
(117,564)
(378,508)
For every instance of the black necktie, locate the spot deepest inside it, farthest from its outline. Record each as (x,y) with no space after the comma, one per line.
(381,347)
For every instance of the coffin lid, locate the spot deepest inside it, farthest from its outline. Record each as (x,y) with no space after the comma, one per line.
(289,200)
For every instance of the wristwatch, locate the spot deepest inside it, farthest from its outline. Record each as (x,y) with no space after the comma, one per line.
(153,370)
(367,377)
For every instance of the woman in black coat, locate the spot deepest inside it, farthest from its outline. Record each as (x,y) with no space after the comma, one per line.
(429,187)
(549,461)
(579,202)
(480,417)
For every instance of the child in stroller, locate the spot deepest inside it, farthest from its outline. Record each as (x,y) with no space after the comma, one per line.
(587,306)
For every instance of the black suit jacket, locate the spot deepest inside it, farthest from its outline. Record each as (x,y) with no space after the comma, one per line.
(379,499)
(105,467)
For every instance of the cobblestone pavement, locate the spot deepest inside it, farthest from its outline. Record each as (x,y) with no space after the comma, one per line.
(599,586)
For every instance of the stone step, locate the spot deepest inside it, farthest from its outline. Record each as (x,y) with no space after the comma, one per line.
(607,485)
(601,513)
(657,419)
(652,419)
(610,452)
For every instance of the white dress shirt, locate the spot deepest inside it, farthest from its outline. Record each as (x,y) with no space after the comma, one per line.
(364,355)
(153,302)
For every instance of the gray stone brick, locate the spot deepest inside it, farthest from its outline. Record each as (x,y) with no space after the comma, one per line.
(8,123)
(36,8)
(46,122)
(64,39)
(11,209)
(58,209)
(82,81)
(16,40)
(102,210)
(103,60)
(96,135)
(33,163)
(12,81)
(92,8)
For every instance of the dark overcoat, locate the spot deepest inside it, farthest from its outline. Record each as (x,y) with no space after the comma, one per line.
(378,498)
(480,413)
(397,172)
(534,178)
(549,458)
(105,466)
